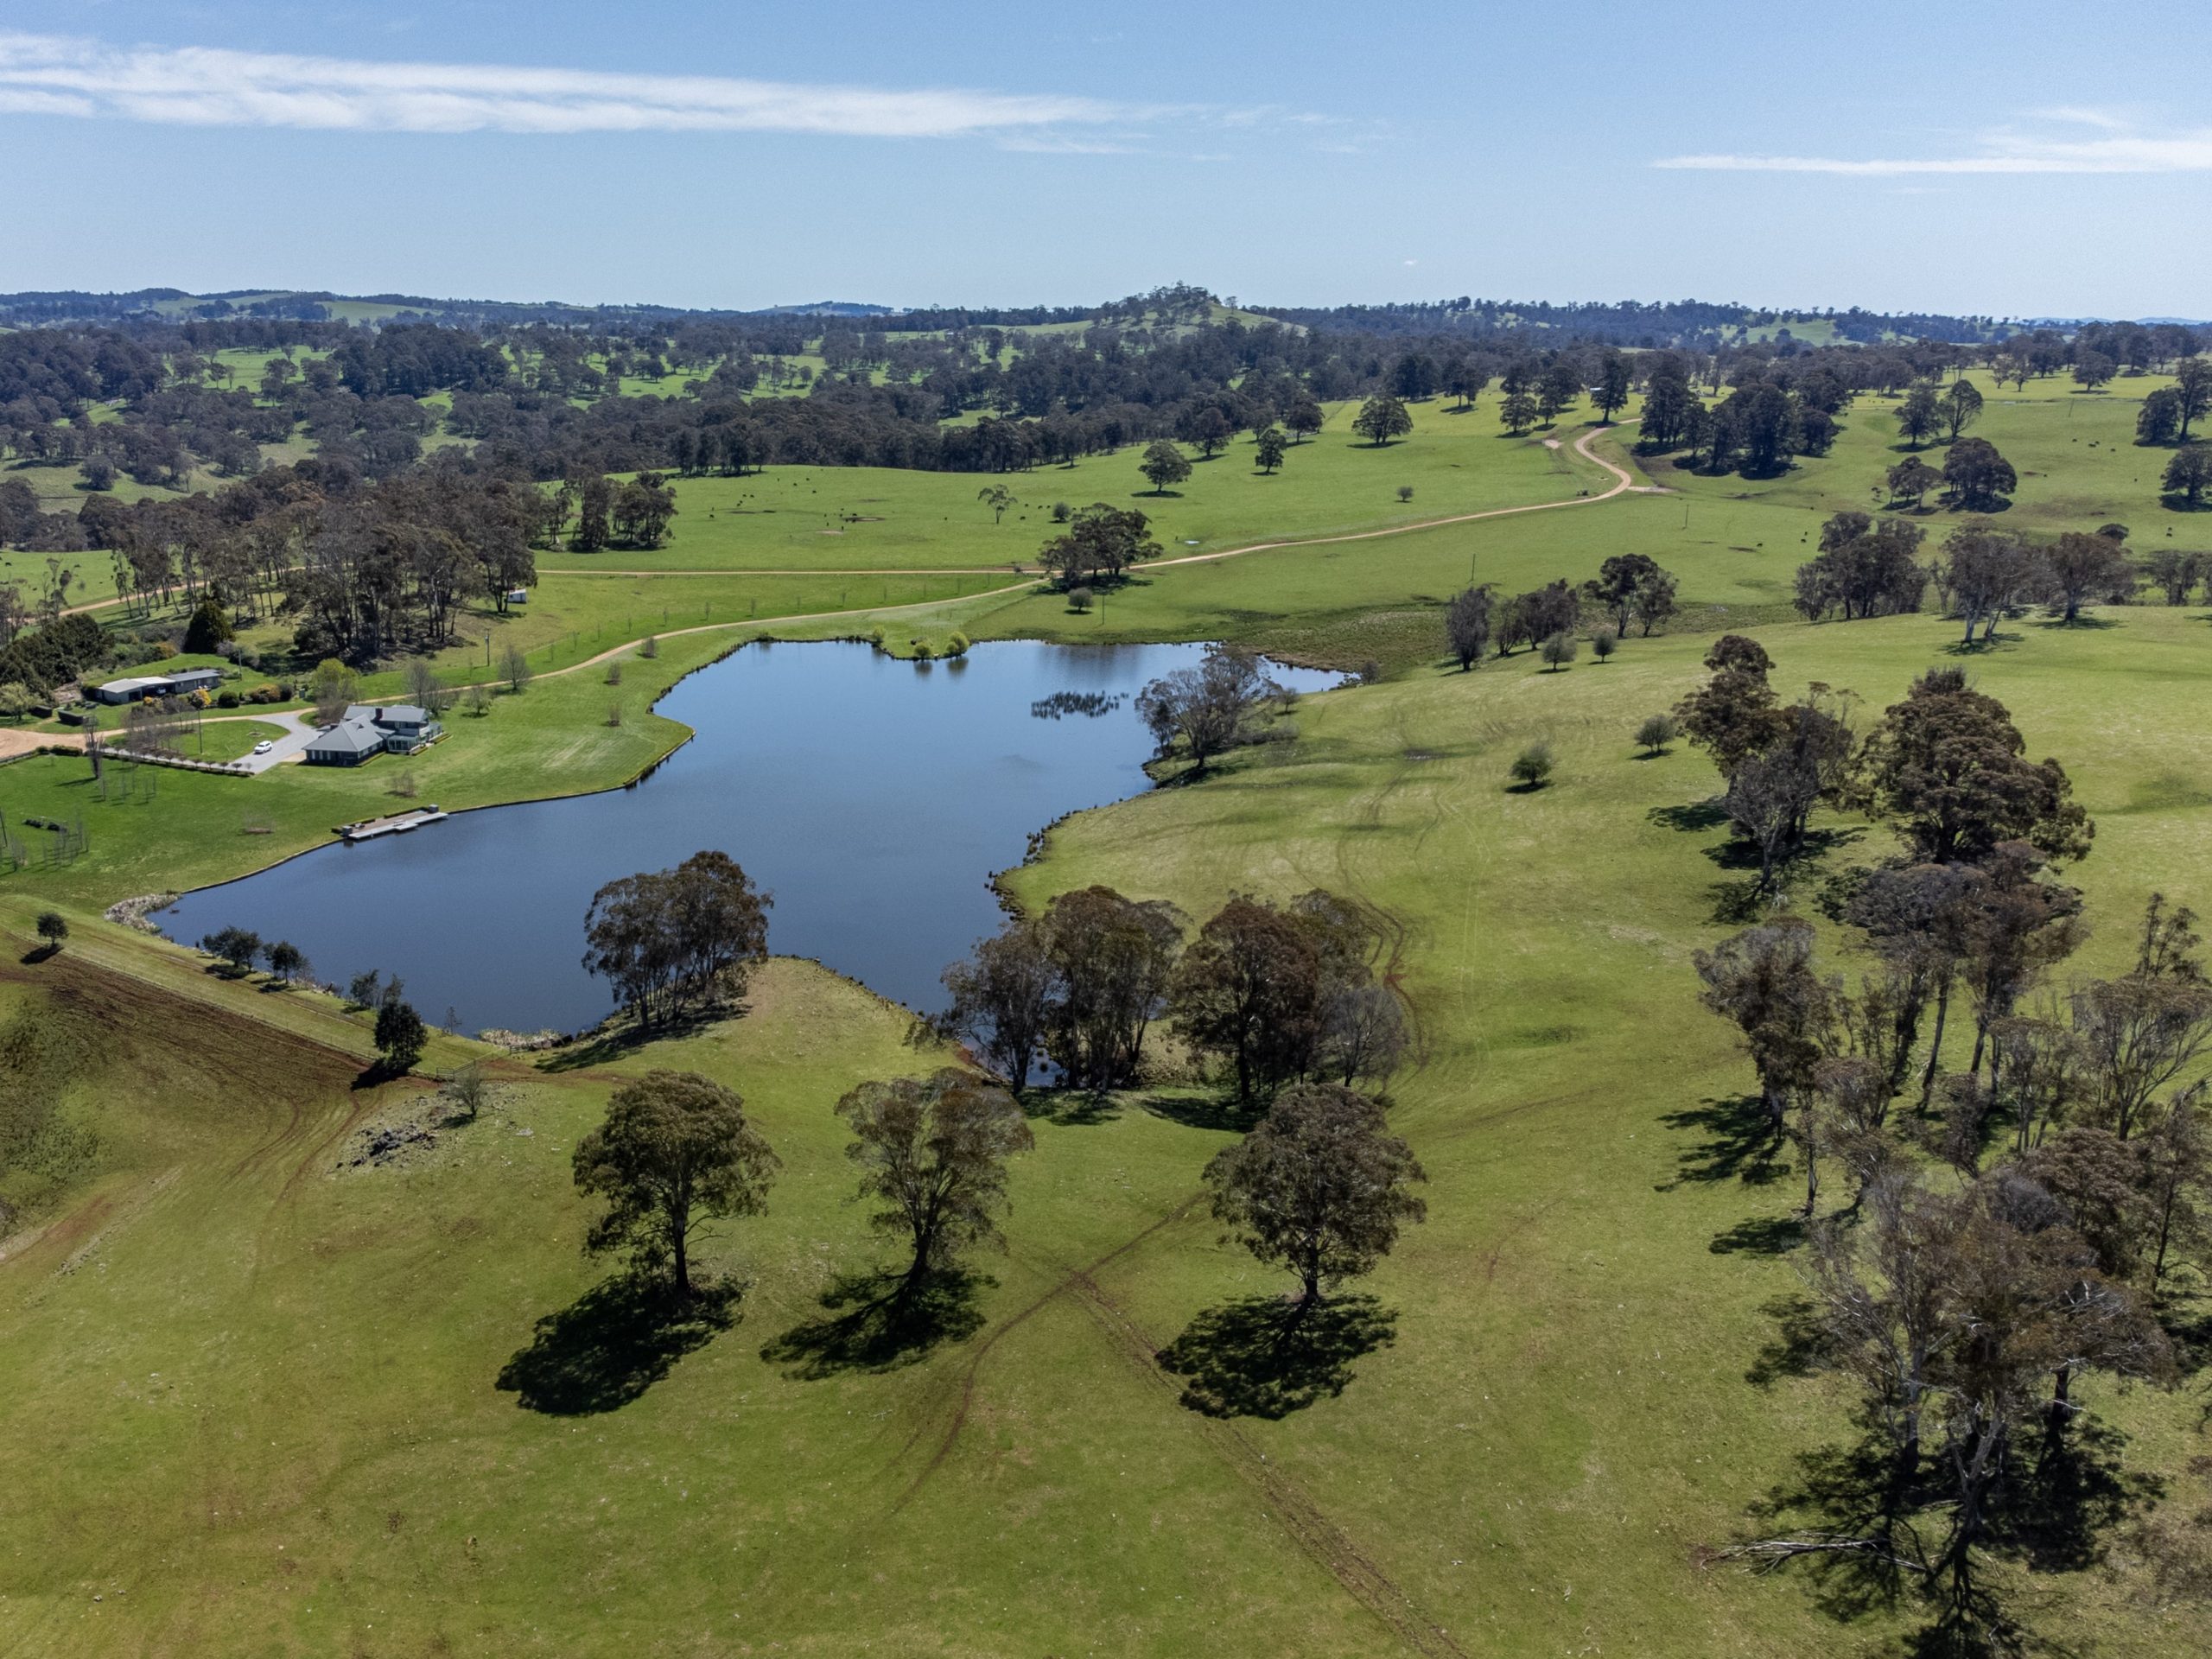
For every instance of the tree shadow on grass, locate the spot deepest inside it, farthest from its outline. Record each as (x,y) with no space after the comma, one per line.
(1738,1143)
(1205,1111)
(1261,1357)
(1691,815)
(614,1343)
(2053,1515)
(879,1322)
(1797,1345)
(1761,1236)
(626,1035)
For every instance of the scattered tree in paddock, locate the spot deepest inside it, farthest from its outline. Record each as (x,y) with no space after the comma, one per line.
(1364,1035)
(1163,464)
(1114,958)
(1558,650)
(286,962)
(425,690)
(1655,733)
(934,1151)
(1204,711)
(1532,768)
(1469,621)
(1405,493)
(1734,714)
(1911,480)
(1959,407)
(1919,415)
(1320,1188)
(514,669)
(670,940)
(468,1089)
(1986,575)
(238,947)
(53,930)
(998,498)
(1632,587)
(1002,998)
(2188,474)
(1099,546)
(1518,411)
(1604,643)
(641,511)
(2176,574)
(2083,568)
(1955,1313)
(2193,386)
(1946,765)
(2094,370)
(1610,396)
(2158,422)
(1976,476)
(1866,567)
(1210,430)
(675,1153)
(400,1035)
(1763,979)
(1304,416)
(1381,418)
(1269,446)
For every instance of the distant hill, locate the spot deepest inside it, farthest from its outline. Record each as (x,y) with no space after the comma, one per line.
(1168,311)
(829,309)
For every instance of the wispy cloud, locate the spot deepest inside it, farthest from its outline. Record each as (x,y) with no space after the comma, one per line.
(2121,146)
(45,74)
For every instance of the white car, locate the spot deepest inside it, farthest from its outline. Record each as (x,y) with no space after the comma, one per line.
(265,745)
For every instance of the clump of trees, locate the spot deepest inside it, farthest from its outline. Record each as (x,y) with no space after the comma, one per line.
(2075,1127)
(1201,712)
(1866,567)
(1079,985)
(671,941)
(1274,995)
(1098,546)
(1271,994)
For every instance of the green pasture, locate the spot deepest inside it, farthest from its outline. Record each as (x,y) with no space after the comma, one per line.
(268,1385)
(867,517)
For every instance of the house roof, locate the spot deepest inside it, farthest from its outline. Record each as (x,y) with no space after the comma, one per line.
(348,737)
(192,676)
(134,683)
(403,713)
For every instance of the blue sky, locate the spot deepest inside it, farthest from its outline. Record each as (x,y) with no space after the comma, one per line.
(2023,158)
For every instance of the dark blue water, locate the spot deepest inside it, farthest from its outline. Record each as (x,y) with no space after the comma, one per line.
(873,797)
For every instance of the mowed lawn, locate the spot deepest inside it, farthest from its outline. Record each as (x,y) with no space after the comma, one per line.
(266,1390)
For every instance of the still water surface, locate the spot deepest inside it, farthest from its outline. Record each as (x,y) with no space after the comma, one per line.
(873,797)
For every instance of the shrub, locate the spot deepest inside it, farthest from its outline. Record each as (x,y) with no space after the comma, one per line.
(1558,651)
(957,646)
(1405,491)
(1532,767)
(1656,732)
(650,649)
(923,652)
(227,698)
(614,673)
(1604,643)
(614,713)
(1079,600)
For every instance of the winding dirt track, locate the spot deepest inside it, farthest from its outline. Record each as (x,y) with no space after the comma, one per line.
(1623,483)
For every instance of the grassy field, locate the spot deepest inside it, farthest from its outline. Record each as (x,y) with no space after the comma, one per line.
(1559,1423)
(867,517)
(264,1400)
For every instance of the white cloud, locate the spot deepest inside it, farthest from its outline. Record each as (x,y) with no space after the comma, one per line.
(204,86)
(2121,148)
